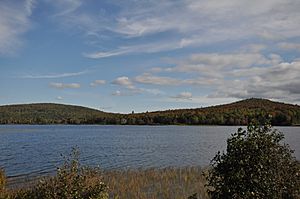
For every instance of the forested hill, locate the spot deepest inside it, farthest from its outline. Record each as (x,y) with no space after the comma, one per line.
(48,113)
(237,113)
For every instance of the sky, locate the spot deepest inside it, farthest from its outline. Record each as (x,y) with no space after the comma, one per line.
(146,55)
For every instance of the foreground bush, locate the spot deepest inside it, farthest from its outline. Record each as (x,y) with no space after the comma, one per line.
(71,182)
(255,165)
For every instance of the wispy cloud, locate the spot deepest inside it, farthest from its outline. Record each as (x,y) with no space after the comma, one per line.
(14,21)
(122,93)
(139,48)
(65,7)
(64,85)
(54,76)
(148,78)
(98,82)
(217,21)
(215,65)
(289,46)
(183,95)
(98,55)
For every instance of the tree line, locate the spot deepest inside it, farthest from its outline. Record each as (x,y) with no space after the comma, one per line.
(238,113)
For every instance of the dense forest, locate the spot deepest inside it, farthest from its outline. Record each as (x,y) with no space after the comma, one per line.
(237,113)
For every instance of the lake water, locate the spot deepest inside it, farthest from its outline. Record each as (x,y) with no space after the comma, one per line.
(27,150)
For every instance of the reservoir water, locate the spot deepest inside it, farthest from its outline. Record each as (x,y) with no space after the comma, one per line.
(31,150)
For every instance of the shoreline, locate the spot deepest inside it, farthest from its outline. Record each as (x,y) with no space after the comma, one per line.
(213,125)
(24,178)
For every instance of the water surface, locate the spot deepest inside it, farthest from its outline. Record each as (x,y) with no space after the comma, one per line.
(30,150)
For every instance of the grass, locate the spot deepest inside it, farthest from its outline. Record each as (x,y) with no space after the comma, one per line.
(2,179)
(73,181)
(175,183)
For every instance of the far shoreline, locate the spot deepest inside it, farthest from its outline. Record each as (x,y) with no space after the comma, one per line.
(213,125)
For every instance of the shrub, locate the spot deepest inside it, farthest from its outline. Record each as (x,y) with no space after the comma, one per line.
(71,182)
(256,165)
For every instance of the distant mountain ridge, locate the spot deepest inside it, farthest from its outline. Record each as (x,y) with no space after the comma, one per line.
(236,113)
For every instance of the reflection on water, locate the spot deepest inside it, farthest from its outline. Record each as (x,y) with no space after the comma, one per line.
(27,150)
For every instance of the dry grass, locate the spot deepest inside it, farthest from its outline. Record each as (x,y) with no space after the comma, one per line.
(74,181)
(175,183)
(2,179)
(168,183)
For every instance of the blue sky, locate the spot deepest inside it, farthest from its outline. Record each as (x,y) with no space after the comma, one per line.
(141,55)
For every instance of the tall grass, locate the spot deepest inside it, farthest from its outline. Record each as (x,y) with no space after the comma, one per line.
(2,179)
(73,181)
(175,183)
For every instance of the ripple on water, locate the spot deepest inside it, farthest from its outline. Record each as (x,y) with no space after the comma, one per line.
(35,150)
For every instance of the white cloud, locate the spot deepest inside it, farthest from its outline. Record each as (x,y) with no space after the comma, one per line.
(153,91)
(235,75)
(132,89)
(280,82)
(218,65)
(98,82)
(183,95)
(98,55)
(148,78)
(155,70)
(211,68)
(63,85)
(59,98)
(123,93)
(14,22)
(269,35)
(217,21)
(229,60)
(125,82)
(254,48)
(289,46)
(117,93)
(29,6)
(203,81)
